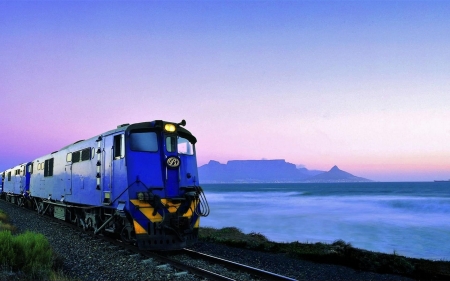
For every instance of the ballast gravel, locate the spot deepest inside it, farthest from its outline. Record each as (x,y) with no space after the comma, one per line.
(85,258)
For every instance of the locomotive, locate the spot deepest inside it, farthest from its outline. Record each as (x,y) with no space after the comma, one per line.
(138,182)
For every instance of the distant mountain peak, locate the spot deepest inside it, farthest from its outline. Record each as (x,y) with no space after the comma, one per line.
(336,175)
(335,169)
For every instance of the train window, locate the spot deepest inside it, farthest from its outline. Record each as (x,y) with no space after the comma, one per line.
(185,146)
(69,157)
(119,146)
(86,154)
(76,156)
(48,168)
(143,141)
(9,176)
(30,168)
(171,144)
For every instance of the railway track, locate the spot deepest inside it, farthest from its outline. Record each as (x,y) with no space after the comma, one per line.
(181,265)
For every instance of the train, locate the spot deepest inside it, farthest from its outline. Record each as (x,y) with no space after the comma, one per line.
(138,182)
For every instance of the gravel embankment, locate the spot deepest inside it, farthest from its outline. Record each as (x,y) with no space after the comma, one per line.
(88,259)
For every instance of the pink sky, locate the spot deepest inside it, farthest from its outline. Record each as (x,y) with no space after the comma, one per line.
(361,85)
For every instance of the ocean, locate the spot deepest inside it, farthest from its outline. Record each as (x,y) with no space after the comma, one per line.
(409,218)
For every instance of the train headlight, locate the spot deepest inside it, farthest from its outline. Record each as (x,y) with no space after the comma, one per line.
(169,128)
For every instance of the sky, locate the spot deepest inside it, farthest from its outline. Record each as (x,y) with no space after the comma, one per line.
(363,85)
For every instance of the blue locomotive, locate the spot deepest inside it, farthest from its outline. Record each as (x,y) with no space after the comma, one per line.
(139,182)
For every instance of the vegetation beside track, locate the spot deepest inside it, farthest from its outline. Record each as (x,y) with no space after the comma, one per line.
(25,256)
(339,252)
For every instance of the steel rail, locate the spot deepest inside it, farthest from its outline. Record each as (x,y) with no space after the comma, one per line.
(209,275)
(237,266)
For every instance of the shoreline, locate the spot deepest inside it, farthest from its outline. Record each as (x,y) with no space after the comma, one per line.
(337,253)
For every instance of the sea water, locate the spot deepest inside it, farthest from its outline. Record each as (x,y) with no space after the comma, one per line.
(410,219)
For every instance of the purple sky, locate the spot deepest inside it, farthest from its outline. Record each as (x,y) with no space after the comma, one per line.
(363,85)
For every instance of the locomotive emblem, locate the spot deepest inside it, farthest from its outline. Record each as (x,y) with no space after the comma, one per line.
(173,162)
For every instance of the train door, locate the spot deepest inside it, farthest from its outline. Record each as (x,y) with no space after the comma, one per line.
(114,169)
(28,172)
(68,180)
(23,173)
(106,161)
(17,181)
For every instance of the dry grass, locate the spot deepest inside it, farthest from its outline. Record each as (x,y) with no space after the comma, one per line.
(4,223)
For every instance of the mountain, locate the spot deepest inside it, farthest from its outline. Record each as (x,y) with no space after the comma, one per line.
(253,171)
(336,175)
(268,171)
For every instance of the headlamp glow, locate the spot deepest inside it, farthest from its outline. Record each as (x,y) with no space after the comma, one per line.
(169,128)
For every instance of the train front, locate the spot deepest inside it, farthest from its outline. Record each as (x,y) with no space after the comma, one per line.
(166,201)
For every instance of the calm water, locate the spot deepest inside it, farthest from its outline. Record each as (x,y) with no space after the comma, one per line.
(412,219)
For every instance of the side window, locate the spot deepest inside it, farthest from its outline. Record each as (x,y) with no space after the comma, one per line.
(85,154)
(48,168)
(76,157)
(9,176)
(80,155)
(171,144)
(30,168)
(119,146)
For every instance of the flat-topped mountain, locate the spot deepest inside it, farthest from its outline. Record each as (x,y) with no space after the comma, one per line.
(268,171)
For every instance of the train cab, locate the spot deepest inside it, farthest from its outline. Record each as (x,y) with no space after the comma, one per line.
(164,193)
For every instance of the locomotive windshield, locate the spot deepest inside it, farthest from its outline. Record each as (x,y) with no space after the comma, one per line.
(147,141)
(185,146)
(181,144)
(143,141)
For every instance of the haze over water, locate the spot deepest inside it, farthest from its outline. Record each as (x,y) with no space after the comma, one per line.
(412,219)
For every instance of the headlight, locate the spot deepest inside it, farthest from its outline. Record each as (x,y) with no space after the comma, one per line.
(169,128)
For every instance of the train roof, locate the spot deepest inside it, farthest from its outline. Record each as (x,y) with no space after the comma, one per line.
(142,125)
(157,124)
(16,167)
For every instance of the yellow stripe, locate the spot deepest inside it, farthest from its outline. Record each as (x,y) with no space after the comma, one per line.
(172,208)
(146,209)
(189,212)
(148,212)
(138,203)
(197,223)
(138,229)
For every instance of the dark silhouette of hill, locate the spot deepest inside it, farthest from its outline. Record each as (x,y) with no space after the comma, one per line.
(336,175)
(267,171)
